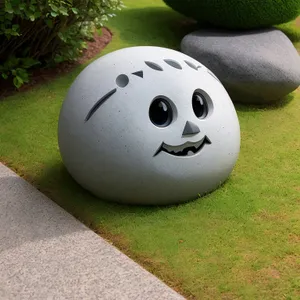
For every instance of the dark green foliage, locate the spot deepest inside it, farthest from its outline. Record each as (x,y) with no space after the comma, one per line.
(238,14)
(46,32)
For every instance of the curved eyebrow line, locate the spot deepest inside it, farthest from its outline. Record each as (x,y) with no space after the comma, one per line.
(99,103)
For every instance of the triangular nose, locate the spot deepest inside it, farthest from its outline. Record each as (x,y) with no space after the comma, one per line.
(190,128)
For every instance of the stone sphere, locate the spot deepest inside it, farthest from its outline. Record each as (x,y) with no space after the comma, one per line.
(238,14)
(148,125)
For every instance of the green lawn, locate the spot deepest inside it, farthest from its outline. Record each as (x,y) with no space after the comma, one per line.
(240,242)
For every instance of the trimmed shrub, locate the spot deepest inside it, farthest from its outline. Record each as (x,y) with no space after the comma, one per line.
(46,32)
(238,14)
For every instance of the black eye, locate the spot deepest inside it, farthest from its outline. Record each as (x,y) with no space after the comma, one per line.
(200,106)
(160,112)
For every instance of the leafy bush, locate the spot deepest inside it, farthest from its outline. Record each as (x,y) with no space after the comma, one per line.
(238,14)
(45,32)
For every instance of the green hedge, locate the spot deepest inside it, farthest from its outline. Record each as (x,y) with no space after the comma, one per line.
(238,14)
(45,32)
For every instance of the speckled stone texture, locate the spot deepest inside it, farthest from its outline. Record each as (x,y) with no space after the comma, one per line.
(256,67)
(45,253)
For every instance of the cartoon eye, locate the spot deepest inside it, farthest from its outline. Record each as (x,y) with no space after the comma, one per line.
(160,112)
(200,106)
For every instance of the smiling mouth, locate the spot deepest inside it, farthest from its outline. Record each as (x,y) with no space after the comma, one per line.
(186,149)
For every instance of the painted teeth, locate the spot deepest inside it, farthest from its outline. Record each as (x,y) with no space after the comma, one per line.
(189,149)
(177,150)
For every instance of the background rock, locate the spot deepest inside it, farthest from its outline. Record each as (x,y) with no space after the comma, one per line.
(260,66)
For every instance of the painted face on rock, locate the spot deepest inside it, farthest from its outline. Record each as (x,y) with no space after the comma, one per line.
(148,125)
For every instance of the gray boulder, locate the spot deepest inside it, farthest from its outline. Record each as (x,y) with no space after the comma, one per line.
(256,67)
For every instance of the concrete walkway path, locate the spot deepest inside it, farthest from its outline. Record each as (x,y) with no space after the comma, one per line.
(45,253)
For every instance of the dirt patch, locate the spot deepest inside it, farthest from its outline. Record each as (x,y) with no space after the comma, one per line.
(270,273)
(294,238)
(229,296)
(20,170)
(292,260)
(268,216)
(40,76)
(297,22)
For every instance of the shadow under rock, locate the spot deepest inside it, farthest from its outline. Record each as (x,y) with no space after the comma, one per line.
(268,106)
(59,186)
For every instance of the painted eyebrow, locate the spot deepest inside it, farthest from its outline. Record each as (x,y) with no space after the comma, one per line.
(99,103)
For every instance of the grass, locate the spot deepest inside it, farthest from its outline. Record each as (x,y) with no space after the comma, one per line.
(240,242)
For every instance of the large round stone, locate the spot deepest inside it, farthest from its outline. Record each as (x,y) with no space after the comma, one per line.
(256,67)
(238,14)
(148,125)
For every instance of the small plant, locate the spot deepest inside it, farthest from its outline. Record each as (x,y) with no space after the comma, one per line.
(17,68)
(46,32)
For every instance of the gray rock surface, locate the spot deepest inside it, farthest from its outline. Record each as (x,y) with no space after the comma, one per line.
(45,253)
(256,67)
